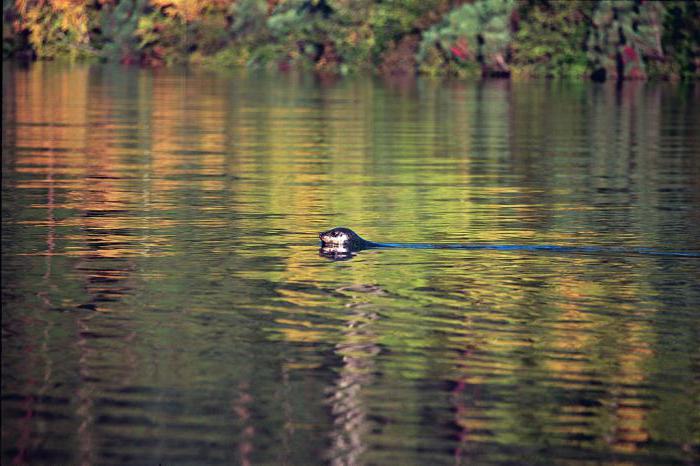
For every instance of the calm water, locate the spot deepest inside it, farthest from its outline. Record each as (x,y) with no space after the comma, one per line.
(164,301)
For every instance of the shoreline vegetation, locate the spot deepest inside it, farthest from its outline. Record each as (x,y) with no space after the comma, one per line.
(581,39)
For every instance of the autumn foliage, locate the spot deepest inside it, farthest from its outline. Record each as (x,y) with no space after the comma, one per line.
(602,39)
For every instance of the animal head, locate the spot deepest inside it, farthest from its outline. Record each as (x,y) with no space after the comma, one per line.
(341,243)
(340,237)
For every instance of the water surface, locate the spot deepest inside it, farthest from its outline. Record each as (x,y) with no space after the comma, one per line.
(164,301)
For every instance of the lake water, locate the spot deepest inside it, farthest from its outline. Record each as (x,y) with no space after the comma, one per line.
(164,300)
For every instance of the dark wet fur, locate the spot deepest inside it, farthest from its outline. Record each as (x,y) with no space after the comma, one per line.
(355,241)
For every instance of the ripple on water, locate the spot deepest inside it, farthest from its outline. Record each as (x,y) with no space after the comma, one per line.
(164,301)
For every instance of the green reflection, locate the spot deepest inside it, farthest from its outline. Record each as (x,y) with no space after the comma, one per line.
(161,280)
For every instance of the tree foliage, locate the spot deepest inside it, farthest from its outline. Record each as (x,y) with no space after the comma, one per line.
(681,38)
(51,27)
(550,38)
(478,32)
(615,39)
(624,35)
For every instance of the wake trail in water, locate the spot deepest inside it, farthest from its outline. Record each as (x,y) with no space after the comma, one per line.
(550,248)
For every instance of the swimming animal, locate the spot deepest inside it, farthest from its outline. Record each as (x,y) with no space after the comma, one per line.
(342,243)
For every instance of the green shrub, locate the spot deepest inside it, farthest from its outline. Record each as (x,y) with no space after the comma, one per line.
(249,21)
(474,33)
(625,34)
(681,40)
(163,39)
(117,25)
(391,20)
(300,32)
(330,36)
(551,37)
(245,40)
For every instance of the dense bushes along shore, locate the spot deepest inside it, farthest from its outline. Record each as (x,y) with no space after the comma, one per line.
(600,39)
